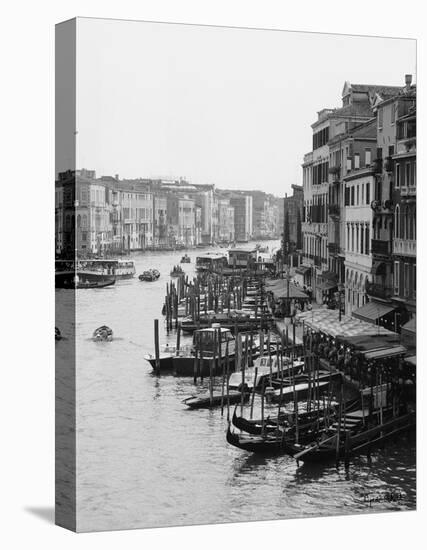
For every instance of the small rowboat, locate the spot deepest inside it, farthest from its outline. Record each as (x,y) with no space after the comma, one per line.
(149,275)
(102,334)
(185,259)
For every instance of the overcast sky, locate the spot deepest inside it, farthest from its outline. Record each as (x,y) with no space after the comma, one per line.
(226,106)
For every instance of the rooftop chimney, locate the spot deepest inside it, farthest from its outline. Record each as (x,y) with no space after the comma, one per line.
(117,177)
(408,80)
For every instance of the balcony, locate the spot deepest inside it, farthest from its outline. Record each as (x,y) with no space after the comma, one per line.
(388,164)
(377,165)
(333,248)
(409,191)
(334,210)
(379,247)
(335,172)
(405,247)
(378,291)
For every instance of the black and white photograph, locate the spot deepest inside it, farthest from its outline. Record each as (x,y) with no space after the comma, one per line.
(235,274)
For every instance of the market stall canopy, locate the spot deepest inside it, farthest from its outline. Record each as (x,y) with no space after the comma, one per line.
(409,334)
(367,342)
(372,311)
(410,327)
(327,321)
(326,285)
(279,287)
(412,360)
(383,353)
(302,269)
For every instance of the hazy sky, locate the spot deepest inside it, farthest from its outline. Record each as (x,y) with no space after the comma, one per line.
(231,107)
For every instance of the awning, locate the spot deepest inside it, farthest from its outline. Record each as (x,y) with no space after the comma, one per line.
(328,321)
(302,269)
(329,275)
(327,285)
(412,360)
(379,268)
(385,352)
(279,287)
(373,311)
(410,326)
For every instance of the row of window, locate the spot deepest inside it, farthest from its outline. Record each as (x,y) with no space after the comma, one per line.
(357,194)
(406,174)
(320,173)
(358,238)
(320,138)
(405,222)
(405,279)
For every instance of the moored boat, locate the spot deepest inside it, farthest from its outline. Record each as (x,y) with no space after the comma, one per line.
(208,353)
(217,398)
(353,435)
(176,271)
(185,259)
(149,275)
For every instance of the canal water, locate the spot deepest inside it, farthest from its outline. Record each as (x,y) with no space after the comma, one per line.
(143,460)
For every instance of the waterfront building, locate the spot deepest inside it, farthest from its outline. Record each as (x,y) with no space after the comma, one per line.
(186,221)
(225,221)
(358,184)
(405,212)
(386,290)
(293,205)
(136,206)
(205,198)
(160,225)
(323,220)
(243,227)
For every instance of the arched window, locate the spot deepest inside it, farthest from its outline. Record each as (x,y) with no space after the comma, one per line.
(406,222)
(84,221)
(397,222)
(411,225)
(415,221)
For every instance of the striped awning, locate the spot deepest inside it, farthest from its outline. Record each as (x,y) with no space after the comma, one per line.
(382,353)
(327,321)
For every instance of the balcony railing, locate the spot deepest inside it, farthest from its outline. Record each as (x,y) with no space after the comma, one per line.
(388,164)
(333,248)
(378,291)
(377,165)
(405,247)
(380,247)
(408,191)
(335,172)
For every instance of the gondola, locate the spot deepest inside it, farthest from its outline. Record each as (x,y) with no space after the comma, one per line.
(102,334)
(185,259)
(255,427)
(351,440)
(205,402)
